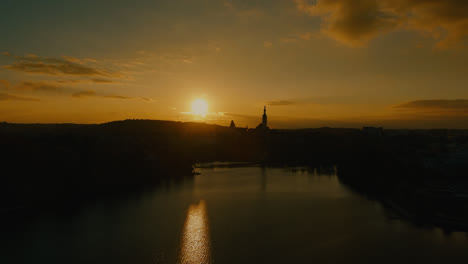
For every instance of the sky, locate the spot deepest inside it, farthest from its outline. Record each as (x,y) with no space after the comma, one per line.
(337,63)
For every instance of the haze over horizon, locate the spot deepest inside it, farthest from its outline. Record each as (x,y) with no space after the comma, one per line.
(348,63)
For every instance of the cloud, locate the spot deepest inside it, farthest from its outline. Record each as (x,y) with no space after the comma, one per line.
(90,94)
(55,66)
(350,21)
(355,22)
(252,118)
(246,9)
(288,40)
(103,81)
(228,5)
(280,103)
(147,99)
(316,100)
(163,62)
(72,59)
(459,104)
(267,44)
(10,97)
(56,87)
(307,35)
(117,97)
(296,38)
(51,87)
(4,85)
(40,86)
(84,94)
(97,81)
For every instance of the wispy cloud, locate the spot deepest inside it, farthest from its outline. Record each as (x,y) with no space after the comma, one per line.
(55,66)
(299,37)
(318,100)
(288,40)
(92,94)
(50,87)
(244,9)
(280,103)
(267,44)
(84,94)
(11,97)
(56,88)
(458,104)
(103,81)
(242,116)
(79,81)
(40,86)
(307,35)
(4,85)
(118,97)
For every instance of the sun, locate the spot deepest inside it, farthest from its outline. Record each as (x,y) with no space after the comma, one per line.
(200,107)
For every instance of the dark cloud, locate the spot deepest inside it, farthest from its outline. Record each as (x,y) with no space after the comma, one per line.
(10,97)
(103,81)
(349,21)
(91,93)
(357,21)
(459,104)
(117,97)
(280,103)
(54,66)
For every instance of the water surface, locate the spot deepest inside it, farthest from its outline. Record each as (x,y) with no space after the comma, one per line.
(232,215)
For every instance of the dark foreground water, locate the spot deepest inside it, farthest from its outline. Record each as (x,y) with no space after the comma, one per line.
(232,215)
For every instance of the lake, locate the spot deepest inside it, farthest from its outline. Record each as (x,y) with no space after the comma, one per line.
(231,214)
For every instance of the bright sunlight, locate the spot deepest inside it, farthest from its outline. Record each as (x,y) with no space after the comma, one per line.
(200,107)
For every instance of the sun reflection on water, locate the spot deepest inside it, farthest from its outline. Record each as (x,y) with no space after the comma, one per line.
(195,248)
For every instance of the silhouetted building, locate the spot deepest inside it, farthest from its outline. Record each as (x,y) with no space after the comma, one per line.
(264,124)
(232,125)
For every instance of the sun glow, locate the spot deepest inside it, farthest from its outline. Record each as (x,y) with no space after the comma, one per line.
(200,107)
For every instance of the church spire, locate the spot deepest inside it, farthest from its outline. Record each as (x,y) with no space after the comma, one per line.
(264,124)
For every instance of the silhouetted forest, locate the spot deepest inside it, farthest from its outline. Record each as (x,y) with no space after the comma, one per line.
(419,173)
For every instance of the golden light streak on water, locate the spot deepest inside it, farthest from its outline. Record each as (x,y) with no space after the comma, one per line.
(196,248)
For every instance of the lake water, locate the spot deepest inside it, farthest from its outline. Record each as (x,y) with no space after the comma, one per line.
(233,215)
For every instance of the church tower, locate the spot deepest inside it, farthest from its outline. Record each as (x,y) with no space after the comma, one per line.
(264,124)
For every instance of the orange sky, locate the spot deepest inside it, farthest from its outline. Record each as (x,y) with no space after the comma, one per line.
(349,63)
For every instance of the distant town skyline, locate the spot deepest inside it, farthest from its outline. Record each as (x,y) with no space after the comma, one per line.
(337,63)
